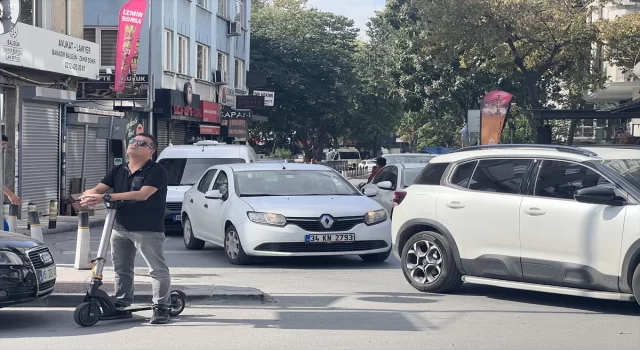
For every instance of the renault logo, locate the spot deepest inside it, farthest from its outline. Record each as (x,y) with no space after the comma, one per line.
(326,221)
(45,258)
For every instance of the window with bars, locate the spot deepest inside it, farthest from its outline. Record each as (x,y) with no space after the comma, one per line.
(106,38)
(202,52)
(183,55)
(223,65)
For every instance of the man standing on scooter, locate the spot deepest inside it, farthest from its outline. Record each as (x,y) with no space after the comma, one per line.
(142,185)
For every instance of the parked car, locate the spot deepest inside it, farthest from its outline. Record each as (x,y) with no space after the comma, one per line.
(369,164)
(27,270)
(185,164)
(544,218)
(391,182)
(266,209)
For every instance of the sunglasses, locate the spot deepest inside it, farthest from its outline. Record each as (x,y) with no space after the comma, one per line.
(140,143)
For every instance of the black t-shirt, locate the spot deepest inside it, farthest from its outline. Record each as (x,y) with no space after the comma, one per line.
(140,215)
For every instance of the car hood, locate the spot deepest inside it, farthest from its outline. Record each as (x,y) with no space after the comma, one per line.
(13,240)
(175,194)
(313,206)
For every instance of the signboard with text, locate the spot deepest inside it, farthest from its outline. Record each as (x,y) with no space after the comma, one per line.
(249,102)
(227,96)
(210,112)
(237,128)
(51,52)
(229,114)
(269,97)
(209,130)
(129,27)
(104,88)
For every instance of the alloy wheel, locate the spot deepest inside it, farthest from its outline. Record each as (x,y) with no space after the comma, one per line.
(424,262)
(233,244)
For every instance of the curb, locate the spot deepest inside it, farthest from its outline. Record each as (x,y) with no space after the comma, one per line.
(75,299)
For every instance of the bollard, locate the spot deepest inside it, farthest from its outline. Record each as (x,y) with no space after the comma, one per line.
(12,218)
(31,207)
(35,229)
(83,243)
(53,214)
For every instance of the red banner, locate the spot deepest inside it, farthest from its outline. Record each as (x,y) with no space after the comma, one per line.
(494,109)
(209,130)
(129,27)
(210,112)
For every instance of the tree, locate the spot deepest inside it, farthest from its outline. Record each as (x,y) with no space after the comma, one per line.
(621,39)
(308,56)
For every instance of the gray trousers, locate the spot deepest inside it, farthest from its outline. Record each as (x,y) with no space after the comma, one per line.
(124,245)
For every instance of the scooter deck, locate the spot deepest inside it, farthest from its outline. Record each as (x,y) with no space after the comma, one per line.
(139,307)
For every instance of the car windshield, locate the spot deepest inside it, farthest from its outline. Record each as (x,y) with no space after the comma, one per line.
(409,175)
(629,169)
(398,159)
(349,155)
(292,183)
(187,171)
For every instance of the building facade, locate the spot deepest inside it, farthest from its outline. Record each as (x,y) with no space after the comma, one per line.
(43,58)
(193,57)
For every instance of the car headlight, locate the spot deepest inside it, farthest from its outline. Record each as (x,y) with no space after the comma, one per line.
(267,218)
(9,258)
(374,217)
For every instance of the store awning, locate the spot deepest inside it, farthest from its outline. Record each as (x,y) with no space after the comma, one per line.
(614,92)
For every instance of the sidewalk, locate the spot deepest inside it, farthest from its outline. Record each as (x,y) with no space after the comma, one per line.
(63,223)
(72,284)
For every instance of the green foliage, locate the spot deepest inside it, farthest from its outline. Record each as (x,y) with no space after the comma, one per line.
(282,153)
(622,38)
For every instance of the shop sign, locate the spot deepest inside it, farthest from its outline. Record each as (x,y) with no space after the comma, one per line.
(269,97)
(248,102)
(227,96)
(104,88)
(210,112)
(209,130)
(237,132)
(228,113)
(51,52)
(187,111)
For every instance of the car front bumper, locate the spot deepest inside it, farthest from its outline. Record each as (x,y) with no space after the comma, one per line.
(173,217)
(21,284)
(290,240)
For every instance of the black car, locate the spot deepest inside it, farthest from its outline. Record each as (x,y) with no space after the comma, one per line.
(27,270)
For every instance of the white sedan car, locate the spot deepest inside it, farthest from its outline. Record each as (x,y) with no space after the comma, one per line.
(271,209)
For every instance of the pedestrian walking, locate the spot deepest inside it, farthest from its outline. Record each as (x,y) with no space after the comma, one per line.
(5,190)
(140,187)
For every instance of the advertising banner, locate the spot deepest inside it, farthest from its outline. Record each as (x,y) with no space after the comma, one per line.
(494,109)
(129,27)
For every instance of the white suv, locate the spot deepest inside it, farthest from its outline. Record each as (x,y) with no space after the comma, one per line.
(545,218)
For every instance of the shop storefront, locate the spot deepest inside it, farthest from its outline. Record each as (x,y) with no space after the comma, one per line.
(183,116)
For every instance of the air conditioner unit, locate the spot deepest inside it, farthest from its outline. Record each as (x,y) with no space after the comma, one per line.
(218,78)
(235,29)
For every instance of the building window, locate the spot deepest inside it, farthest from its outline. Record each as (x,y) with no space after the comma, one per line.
(223,65)
(27,12)
(183,55)
(202,3)
(239,74)
(105,38)
(168,50)
(240,12)
(202,53)
(222,8)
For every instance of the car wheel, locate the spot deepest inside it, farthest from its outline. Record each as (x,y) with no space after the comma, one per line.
(376,257)
(233,247)
(190,242)
(635,284)
(428,263)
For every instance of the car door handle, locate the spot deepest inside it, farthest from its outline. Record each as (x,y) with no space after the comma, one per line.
(455,205)
(206,205)
(534,211)
(191,200)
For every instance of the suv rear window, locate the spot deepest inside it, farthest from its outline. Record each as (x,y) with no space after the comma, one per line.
(431,174)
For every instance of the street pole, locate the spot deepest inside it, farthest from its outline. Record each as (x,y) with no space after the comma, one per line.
(151,81)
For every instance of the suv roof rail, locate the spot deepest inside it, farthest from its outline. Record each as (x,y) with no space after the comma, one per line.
(559,148)
(611,146)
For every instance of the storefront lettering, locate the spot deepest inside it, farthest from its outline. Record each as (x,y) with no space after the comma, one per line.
(71,52)
(187,111)
(237,132)
(130,16)
(237,123)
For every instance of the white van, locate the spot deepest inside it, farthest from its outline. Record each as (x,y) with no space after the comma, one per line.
(185,164)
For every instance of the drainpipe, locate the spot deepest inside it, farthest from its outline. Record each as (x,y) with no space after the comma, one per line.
(68,17)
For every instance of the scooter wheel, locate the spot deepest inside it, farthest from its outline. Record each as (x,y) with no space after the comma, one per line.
(178,303)
(87,314)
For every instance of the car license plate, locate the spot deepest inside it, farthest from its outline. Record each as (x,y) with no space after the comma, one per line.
(341,237)
(47,274)
(177,218)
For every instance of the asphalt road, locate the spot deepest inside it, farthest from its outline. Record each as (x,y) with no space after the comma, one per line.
(333,303)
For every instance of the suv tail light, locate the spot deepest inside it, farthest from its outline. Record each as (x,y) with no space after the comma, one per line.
(398,197)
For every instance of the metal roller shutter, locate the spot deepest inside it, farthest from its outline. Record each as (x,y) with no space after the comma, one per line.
(96,161)
(178,133)
(162,135)
(39,154)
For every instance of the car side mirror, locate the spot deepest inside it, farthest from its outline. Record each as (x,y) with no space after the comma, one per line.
(599,195)
(370,192)
(385,185)
(213,194)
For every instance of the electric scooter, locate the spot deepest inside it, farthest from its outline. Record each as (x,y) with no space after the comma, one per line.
(97,302)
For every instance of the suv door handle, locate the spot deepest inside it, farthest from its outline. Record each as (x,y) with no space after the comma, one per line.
(534,211)
(455,205)
(206,205)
